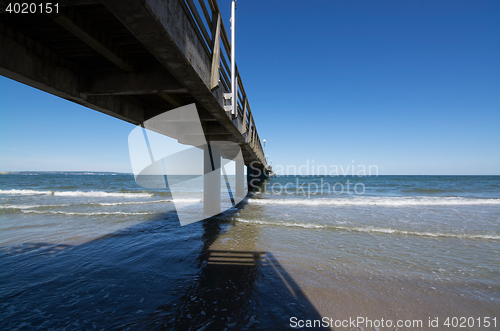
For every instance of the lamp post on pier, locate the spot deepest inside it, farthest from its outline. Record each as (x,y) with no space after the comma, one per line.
(264,141)
(234,87)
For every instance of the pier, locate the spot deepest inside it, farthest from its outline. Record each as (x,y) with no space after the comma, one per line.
(134,60)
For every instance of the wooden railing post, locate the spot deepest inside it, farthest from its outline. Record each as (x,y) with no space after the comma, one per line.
(214,82)
(244,122)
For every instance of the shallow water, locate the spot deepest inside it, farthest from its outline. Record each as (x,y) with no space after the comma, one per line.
(98,252)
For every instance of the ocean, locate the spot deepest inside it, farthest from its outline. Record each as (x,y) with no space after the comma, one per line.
(94,251)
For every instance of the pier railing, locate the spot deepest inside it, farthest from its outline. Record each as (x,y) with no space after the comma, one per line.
(205,17)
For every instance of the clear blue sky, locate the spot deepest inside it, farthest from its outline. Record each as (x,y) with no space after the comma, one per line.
(410,86)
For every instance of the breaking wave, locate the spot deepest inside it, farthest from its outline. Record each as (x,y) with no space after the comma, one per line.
(373,230)
(77,193)
(380,201)
(58,212)
(131,203)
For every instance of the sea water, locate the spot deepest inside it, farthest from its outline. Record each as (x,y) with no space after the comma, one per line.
(96,251)
(435,226)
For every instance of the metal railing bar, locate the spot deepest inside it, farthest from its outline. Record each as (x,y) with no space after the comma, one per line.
(199,21)
(226,78)
(226,67)
(194,25)
(226,43)
(205,12)
(214,6)
(223,81)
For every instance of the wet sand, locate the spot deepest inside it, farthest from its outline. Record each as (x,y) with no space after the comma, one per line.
(349,296)
(340,293)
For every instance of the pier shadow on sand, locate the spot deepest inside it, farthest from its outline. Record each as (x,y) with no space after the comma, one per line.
(156,275)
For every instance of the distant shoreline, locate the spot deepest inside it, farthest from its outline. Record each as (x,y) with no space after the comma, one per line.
(63,173)
(131,174)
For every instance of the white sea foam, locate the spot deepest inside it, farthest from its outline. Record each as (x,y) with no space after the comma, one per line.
(187,201)
(23,207)
(25,192)
(102,194)
(379,201)
(131,203)
(286,224)
(77,193)
(373,230)
(58,212)
(30,206)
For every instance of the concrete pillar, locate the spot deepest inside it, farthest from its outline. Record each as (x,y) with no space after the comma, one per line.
(249,178)
(240,178)
(253,177)
(211,181)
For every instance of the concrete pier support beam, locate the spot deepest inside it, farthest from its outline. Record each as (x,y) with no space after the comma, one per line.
(240,178)
(211,180)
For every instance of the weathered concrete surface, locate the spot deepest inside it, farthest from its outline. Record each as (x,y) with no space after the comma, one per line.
(28,65)
(135,83)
